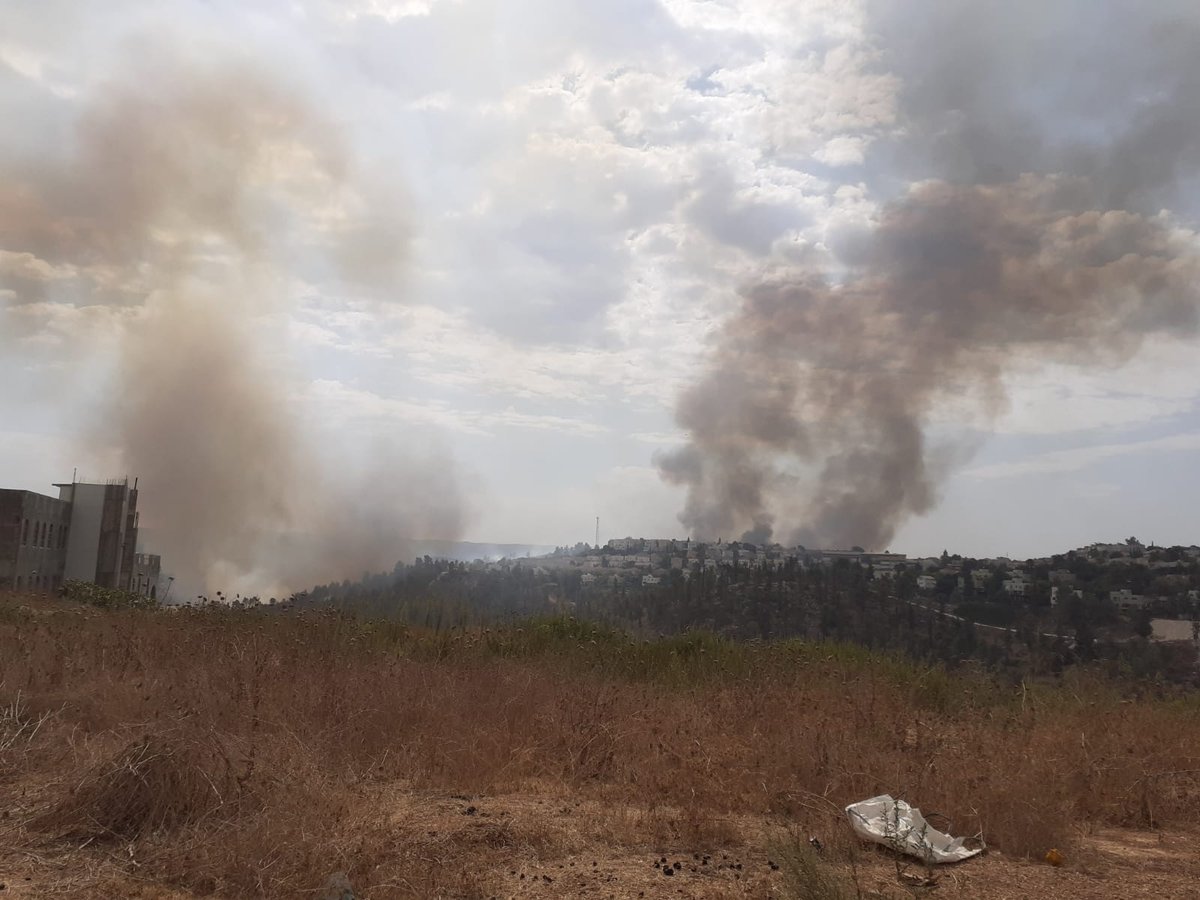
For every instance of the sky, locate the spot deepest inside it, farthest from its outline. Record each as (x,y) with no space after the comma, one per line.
(573,197)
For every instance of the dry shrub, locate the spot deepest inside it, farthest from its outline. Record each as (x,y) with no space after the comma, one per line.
(662,828)
(155,783)
(19,732)
(807,876)
(262,744)
(285,849)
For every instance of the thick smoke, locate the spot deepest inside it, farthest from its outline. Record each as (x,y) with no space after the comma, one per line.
(1039,157)
(196,183)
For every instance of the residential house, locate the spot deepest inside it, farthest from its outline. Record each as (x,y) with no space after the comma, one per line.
(1125,599)
(1016,586)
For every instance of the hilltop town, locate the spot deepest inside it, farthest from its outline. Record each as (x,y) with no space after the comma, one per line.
(1129,575)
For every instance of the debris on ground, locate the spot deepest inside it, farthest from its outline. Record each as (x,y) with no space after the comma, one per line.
(901,827)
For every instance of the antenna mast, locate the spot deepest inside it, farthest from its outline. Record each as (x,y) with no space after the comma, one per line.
(597,532)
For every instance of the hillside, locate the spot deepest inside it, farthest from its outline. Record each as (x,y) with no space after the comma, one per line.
(952,622)
(244,753)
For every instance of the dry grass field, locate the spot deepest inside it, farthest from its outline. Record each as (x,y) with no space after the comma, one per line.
(254,754)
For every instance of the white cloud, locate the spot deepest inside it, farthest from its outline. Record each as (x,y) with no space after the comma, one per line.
(660,438)
(390,11)
(1158,384)
(1079,458)
(340,403)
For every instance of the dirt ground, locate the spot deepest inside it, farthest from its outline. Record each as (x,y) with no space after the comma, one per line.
(547,846)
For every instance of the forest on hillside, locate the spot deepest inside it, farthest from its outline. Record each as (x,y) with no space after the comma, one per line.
(839,601)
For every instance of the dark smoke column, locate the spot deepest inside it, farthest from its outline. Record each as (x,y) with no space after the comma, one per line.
(1016,241)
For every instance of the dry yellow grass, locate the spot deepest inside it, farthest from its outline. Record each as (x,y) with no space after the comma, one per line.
(246,754)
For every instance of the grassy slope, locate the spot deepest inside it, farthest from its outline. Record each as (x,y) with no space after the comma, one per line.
(250,754)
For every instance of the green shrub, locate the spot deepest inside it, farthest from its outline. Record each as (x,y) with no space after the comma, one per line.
(106,598)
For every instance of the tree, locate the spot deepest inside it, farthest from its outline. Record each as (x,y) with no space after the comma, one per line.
(1142,626)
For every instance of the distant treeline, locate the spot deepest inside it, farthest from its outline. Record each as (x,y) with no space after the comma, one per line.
(840,602)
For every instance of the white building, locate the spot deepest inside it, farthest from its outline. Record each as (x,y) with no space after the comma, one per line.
(926,582)
(1015,587)
(648,580)
(1125,599)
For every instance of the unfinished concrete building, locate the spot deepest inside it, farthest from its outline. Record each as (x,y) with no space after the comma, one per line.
(103,532)
(147,571)
(88,533)
(33,540)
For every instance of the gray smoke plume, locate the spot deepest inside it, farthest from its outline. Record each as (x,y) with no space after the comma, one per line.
(196,180)
(1039,146)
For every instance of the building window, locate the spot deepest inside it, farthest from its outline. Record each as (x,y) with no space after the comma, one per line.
(18,582)
(24,532)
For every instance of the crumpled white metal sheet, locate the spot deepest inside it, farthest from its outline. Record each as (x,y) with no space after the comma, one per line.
(895,824)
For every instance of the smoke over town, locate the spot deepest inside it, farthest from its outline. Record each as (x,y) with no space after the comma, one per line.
(195,184)
(1033,228)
